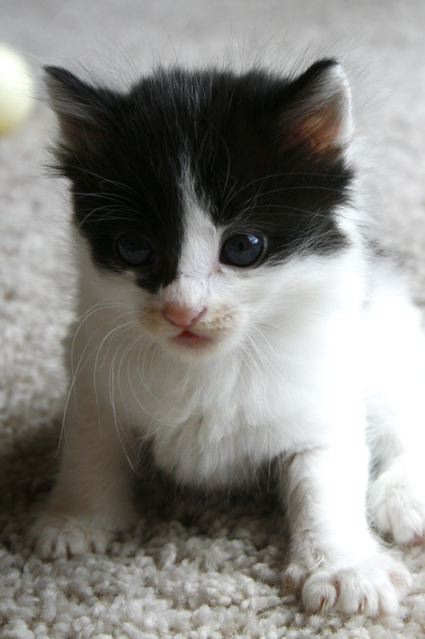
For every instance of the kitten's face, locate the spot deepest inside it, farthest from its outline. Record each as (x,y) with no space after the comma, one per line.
(197,191)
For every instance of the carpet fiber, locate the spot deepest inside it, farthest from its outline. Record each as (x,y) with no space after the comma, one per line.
(187,572)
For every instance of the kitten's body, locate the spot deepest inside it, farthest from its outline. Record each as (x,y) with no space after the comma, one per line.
(310,359)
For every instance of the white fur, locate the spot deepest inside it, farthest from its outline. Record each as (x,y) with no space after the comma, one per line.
(309,361)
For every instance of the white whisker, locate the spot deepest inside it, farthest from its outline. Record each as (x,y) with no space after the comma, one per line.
(112,399)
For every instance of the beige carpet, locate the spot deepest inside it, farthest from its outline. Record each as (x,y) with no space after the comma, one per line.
(182,574)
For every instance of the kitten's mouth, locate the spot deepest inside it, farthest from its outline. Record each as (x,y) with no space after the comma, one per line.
(192,340)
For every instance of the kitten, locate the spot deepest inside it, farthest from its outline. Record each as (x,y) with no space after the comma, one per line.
(232,312)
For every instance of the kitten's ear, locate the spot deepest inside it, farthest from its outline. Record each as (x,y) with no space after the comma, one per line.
(318,115)
(83,111)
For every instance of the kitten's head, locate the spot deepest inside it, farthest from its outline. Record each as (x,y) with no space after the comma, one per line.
(201,196)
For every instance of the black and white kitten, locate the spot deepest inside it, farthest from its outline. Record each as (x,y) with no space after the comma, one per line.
(232,315)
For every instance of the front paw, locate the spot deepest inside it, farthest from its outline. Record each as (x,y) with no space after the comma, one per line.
(397,508)
(59,533)
(372,587)
(56,535)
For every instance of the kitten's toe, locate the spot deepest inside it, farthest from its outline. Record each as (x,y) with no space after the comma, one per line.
(54,536)
(397,510)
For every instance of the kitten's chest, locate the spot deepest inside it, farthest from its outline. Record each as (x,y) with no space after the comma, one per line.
(219,436)
(220,428)
(214,448)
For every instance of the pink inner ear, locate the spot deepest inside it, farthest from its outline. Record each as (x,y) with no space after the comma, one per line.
(319,130)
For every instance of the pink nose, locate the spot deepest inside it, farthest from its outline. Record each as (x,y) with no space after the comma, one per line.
(182,316)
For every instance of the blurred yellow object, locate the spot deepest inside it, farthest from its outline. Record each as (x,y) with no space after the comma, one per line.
(16,89)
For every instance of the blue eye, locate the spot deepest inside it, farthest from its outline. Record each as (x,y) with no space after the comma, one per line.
(134,250)
(243,249)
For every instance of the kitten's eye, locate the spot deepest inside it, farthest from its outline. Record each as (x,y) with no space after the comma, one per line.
(243,249)
(134,250)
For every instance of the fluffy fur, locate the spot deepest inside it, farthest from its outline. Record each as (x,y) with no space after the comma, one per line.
(308,364)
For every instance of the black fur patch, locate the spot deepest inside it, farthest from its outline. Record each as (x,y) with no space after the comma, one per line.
(125,154)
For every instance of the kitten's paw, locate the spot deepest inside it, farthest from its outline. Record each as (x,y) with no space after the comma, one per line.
(371,588)
(397,510)
(54,536)
(57,533)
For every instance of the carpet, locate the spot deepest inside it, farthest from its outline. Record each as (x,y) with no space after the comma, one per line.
(186,572)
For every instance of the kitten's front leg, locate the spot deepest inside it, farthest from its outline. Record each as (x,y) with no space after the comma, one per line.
(92,497)
(334,562)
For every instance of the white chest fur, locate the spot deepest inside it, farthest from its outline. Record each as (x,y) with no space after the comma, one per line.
(219,425)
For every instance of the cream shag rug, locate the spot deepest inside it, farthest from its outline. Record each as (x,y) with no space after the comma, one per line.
(189,572)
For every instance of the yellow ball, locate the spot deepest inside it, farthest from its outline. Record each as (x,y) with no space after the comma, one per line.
(16,89)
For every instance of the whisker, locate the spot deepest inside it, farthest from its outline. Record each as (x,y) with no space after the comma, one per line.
(95,308)
(99,351)
(105,196)
(69,394)
(275,176)
(92,212)
(130,378)
(102,178)
(122,209)
(142,373)
(300,187)
(112,378)
(75,373)
(118,218)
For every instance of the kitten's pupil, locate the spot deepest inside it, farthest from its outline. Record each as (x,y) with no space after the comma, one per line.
(134,250)
(243,249)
